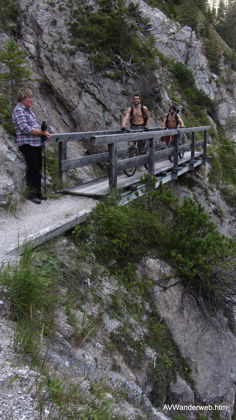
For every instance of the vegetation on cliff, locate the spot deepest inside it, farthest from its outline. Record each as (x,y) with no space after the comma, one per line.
(108,248)
(117,36)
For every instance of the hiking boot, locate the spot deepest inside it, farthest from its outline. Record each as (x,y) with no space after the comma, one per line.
(41,197)
(35,200)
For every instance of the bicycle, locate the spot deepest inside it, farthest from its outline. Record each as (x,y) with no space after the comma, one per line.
(136,149)
(170,142)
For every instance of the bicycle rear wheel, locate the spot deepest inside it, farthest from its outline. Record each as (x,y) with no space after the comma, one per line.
(132,152)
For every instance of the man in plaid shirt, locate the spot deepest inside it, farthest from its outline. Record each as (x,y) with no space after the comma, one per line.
(28,138)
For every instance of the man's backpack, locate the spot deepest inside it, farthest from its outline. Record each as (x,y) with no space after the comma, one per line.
(145,119)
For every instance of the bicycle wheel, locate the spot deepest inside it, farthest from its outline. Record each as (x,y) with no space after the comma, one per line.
(132,152)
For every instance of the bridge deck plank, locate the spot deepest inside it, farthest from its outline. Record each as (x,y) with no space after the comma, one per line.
(100,187)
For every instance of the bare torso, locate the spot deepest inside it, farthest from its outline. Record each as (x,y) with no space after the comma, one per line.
(137,117)
(171,121)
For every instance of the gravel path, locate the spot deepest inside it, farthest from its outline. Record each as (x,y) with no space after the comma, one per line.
(38,223)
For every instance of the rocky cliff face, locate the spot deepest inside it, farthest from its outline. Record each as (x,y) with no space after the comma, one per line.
(71,97)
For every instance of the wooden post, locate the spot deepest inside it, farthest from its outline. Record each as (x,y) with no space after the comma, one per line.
(193,147)
(151,156)
(176,156)
(112,167)
(62,155)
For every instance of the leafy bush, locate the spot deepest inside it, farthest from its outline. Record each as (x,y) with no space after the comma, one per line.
(201,255)
(181,234)
(121,233)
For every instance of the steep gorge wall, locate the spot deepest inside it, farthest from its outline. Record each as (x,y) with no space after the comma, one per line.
(70,96)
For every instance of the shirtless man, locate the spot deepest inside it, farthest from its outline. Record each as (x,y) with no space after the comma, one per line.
(137,114)
(172,118)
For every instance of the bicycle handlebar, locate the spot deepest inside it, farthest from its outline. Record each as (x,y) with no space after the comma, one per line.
(128,130)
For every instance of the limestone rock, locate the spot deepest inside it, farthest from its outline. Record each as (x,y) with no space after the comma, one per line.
(200,342)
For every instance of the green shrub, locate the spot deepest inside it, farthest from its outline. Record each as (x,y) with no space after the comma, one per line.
(227,156)
(223,155)
(31,295)
(166,6)
(213,52)
(181,234)
(183,74)
(9,15)
(202,256)
(116,36)
(27,338)
(125,234)
(229,194)
(199,103)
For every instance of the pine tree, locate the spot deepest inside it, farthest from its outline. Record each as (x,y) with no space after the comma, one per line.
(9,16)
(231,24)
(202,5)
(12,78)
(221,24)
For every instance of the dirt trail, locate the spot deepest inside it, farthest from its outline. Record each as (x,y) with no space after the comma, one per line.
(38,223)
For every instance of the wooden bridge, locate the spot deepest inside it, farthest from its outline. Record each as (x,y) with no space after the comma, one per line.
(115,144)
(37,224)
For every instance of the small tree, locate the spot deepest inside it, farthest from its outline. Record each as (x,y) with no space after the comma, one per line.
(9,16)
(13,76)
(16,74)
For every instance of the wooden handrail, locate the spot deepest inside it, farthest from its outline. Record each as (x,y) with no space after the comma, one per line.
(86,135)
(112,138)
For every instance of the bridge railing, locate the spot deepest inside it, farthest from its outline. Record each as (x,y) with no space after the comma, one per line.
(156,151)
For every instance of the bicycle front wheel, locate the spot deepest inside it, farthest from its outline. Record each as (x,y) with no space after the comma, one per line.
(132,152)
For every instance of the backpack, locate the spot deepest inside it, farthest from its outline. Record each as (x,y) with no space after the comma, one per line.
(142,110)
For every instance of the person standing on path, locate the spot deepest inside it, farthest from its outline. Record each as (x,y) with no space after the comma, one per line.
(28,139)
